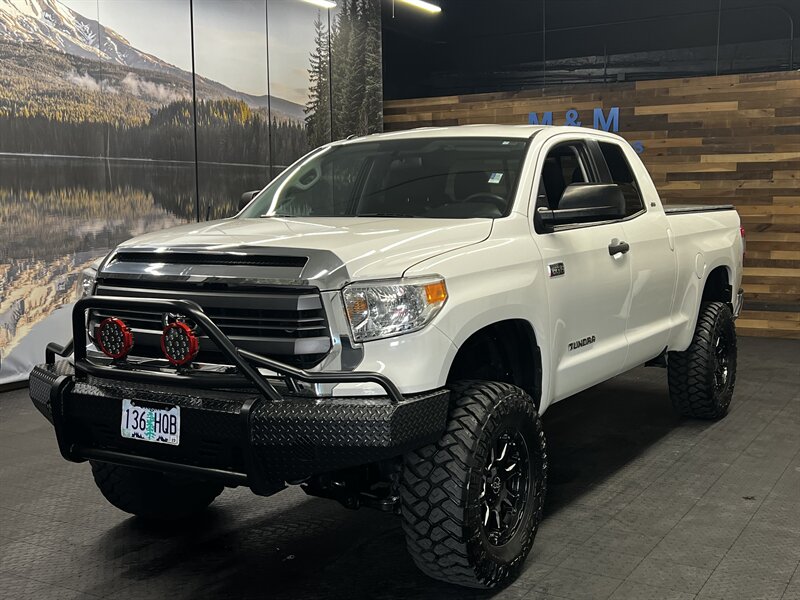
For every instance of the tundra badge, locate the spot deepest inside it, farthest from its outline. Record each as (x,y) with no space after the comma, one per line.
(581,343)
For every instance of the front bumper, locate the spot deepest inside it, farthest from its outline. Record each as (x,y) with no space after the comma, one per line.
(276,442)
(240,428)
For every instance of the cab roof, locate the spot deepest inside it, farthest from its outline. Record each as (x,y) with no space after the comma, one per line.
(503,131)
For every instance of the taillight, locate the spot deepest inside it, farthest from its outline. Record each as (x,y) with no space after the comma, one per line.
(113,337)
(744,241)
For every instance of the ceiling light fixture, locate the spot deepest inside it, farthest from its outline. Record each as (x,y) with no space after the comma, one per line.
(426,6)
(322,3)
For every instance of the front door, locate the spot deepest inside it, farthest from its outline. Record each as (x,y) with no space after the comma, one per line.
(588,287)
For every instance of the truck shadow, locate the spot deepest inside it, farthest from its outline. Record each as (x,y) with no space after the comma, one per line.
(291,546)
(595,434)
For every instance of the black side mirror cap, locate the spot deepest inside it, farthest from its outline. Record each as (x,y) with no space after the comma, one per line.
(584,203)
(247,197)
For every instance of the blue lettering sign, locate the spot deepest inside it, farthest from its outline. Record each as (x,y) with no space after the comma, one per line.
(600,120)
(572,118)
(606,124)
(547,118)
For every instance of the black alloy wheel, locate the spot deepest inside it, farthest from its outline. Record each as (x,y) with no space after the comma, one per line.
(702,377)
(472,502)
(506,478)
(722,358)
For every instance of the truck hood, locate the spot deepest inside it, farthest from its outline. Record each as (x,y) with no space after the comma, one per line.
(367,247)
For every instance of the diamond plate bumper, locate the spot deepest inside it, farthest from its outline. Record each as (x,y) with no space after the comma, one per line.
(237,437)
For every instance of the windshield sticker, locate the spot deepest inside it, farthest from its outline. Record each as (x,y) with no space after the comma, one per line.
(495,177)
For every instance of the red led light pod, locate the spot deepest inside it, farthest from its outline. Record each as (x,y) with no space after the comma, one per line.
(113,337)
(179,343)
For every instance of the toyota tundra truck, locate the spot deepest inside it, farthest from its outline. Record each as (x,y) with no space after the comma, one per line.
(384,325)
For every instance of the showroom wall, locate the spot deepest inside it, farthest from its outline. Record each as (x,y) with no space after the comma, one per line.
(119,117)
(709,140)
(511,45)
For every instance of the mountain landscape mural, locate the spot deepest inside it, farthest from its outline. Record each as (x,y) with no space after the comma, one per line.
(57,30)
(102,139)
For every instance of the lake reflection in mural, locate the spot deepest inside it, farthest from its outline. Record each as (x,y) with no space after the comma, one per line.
(58,215)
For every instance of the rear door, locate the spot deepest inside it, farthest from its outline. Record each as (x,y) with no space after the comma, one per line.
(651,255)
(587,287)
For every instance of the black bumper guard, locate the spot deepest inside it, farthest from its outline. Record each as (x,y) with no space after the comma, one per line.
(241,359)
(289,438)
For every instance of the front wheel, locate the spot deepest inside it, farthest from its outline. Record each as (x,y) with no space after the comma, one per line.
(472,502)
(702,377)
(151,494)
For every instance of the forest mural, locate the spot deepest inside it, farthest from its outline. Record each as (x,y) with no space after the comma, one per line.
(108,106)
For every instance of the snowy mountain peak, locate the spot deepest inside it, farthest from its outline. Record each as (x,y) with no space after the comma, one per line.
(53,25)
(29,8)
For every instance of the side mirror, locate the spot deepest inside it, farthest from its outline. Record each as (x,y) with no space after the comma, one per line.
(584,203)
(247,197)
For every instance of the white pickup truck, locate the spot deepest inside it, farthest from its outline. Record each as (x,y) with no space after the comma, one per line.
(384,324)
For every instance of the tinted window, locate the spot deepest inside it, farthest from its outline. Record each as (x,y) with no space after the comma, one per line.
(432,178)
(565,164)
(622,175)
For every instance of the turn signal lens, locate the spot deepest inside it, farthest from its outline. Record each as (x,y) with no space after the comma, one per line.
(179,343)
(357,308)
(436,292)
(113,337)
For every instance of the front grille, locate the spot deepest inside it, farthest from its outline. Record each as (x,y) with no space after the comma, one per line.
(284,323)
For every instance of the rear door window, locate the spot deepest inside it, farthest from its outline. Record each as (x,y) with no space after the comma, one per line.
(622,175)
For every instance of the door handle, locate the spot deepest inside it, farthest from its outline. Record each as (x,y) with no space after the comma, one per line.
(616,247)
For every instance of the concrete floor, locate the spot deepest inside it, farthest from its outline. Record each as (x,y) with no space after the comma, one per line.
(641,505)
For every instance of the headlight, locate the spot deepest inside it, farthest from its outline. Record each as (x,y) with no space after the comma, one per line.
(88,277)
(380,309)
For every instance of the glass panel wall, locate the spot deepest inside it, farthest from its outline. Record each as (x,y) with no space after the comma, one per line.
(233,137)
(119,117)
(299,79)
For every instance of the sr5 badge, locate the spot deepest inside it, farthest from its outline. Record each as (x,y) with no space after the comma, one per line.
(556,269)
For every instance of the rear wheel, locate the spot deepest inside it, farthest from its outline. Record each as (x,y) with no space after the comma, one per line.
(151,494)
(472,502)
(702,378)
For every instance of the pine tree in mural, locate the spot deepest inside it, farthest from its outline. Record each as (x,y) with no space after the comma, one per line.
(371,113)
(354,69)
(340,47)
(318,121)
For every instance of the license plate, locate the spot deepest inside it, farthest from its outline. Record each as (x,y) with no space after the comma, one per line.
(160,425)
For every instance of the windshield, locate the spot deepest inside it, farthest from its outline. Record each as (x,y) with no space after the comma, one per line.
(456,178)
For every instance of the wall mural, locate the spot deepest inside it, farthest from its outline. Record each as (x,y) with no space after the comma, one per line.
(97,127)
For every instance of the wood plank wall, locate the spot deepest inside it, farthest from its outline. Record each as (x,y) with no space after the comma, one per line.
(732,139)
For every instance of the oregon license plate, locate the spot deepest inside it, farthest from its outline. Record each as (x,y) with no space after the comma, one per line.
(160,425)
